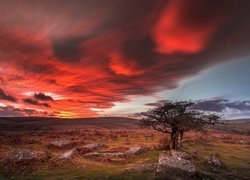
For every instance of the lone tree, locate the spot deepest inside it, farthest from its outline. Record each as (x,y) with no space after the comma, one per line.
(175,118)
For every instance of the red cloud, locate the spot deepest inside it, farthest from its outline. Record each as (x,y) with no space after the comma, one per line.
(174,34)
(124,67)
(87,55)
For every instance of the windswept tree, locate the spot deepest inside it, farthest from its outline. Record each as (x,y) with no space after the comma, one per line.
(175,118)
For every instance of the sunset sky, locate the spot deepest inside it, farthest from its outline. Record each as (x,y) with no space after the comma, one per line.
(87,58)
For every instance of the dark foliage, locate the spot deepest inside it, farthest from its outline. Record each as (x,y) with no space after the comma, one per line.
(177,117)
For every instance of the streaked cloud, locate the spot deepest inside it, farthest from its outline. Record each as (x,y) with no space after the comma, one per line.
(35,102)
(6,97)
(78,58)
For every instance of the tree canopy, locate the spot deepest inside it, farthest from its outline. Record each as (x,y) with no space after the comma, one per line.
(177,117)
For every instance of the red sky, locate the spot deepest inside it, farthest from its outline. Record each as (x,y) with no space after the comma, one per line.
(75,58)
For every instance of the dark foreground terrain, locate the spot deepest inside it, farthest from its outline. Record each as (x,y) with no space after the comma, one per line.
(117,148)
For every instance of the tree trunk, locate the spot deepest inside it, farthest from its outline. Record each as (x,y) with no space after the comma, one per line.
(174,138)
(181,133)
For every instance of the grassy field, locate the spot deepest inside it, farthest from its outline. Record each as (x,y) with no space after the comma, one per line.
(228,146)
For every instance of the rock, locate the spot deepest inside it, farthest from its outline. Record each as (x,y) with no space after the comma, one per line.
(110,157)
(23,155)
(105,154)
(242,142)
(88,148)
(61,143)
(141,168)
(80,150)
(175,167)
(136,150)
(181,154)
(20,161)
(68,154)
(213,161)
(93,146)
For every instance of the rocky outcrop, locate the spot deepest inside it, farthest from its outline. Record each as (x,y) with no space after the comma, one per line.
(136,150)
(213,161)
(175,167)
(93,146)
(181,154)
(88,148)
(110,157)
(61,143)
(105,154)
(82,150)
(24,155)
(22,160)
(68,154)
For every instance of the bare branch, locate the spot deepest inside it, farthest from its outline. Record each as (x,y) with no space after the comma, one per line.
(180,115)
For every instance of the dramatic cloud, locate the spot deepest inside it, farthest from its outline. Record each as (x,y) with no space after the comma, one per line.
(36,103)
(213,105)
(220,105)
(229,109)
(43,97)
(186,26)
(84,56)
(157,104)
(6,97)
(11,111)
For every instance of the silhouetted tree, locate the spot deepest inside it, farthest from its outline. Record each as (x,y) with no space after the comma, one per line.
(175,118)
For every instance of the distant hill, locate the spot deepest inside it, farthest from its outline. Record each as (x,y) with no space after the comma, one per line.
(236,126)
(40,123)
(240,121)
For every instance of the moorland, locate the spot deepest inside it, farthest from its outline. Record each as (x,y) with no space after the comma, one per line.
(115,148)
